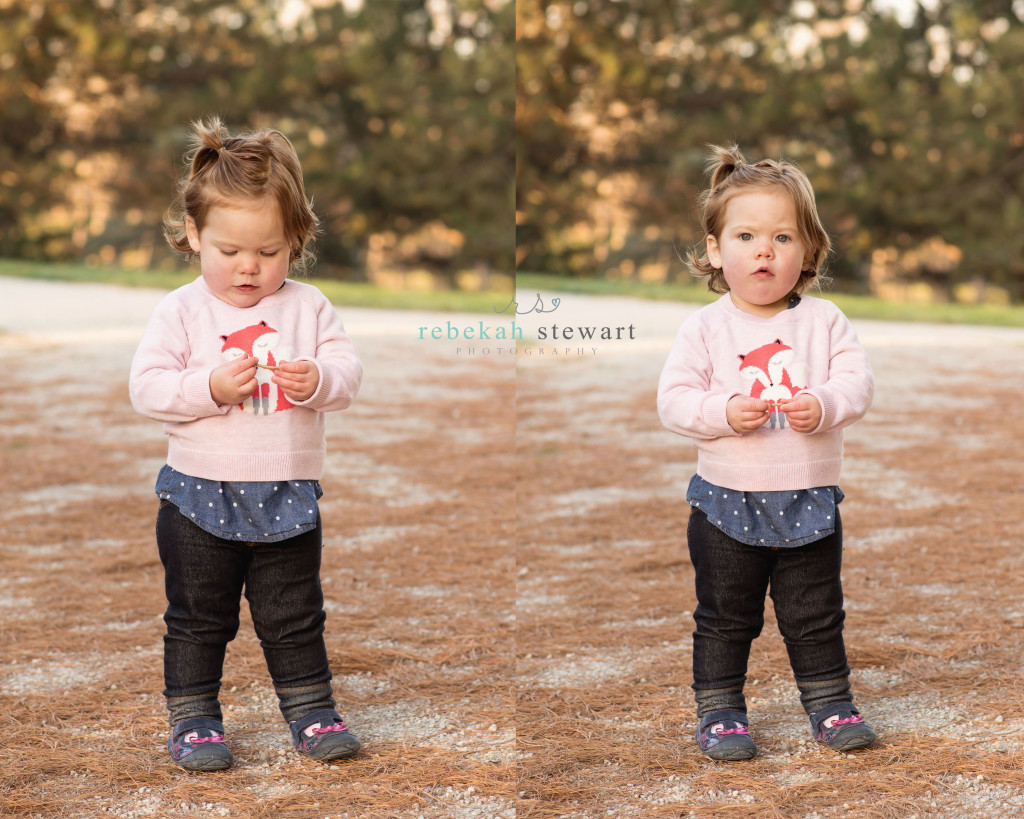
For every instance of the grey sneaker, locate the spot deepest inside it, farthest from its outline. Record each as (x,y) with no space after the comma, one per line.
(197,744)
(724,735)
(841,727)
(323,736)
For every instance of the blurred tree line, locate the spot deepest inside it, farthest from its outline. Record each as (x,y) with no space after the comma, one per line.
(401,111)
(908,118)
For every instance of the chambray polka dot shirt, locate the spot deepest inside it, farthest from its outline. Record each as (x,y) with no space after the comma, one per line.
(777,519)
(252,511)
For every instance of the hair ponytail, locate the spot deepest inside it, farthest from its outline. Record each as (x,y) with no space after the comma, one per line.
(206,145)
(722,163)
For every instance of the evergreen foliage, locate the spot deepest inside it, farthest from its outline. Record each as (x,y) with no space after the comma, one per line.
(401,110)
(910,128)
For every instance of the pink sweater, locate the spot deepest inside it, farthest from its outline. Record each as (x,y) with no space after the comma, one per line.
(721,351)
(268,438)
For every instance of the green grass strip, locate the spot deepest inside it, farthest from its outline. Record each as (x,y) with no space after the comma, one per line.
(349,294)
(862,307)
(359,294)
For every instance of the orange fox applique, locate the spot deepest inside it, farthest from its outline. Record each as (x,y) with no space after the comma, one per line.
(263,342)
(774,375)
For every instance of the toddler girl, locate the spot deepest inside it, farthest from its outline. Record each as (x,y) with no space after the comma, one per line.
(241,366)
(764,380)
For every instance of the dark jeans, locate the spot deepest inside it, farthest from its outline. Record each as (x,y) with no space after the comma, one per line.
(204,579)
(804,582)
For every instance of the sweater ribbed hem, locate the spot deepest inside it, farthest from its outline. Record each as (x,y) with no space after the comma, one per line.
(247,466)
(752,477)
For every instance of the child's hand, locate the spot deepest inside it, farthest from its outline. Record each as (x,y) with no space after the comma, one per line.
(803,412)
(298,380)
(235,381)
(746,414)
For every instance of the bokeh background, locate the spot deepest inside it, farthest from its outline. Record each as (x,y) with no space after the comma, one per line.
(402,114)
(514,618)
(907,116)
(401,111)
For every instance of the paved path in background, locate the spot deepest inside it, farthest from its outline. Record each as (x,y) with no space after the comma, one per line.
(60,312)
(64,312)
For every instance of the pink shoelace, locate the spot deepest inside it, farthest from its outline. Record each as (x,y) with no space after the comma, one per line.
(742,729)
(338,726)
(201,740)
(849,720)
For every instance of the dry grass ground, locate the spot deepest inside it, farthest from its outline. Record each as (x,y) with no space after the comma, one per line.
(933,573)
(418,575)
(510,627)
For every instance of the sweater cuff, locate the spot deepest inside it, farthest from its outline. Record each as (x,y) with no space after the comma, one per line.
(714,411)
(198,397)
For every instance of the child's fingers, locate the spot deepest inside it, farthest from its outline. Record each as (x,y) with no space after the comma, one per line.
(296,390)
(746,414)
(760,419)
(243,364)
(293,386)
(750,420)
(286,377)
(296,367)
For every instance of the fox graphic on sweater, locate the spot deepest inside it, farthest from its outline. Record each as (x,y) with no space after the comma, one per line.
(262,341)
(774,376)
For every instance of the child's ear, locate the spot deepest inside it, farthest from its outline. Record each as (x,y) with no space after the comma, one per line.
(192,232)
(714,253)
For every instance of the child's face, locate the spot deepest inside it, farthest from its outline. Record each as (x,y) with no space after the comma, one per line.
(243,252)
(759,250)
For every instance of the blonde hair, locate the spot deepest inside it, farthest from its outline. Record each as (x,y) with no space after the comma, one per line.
(223,168)
(731,175)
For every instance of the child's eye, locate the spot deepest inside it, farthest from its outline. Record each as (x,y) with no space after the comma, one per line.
(784,239)
(229,252)
(746,237)
(269,254)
